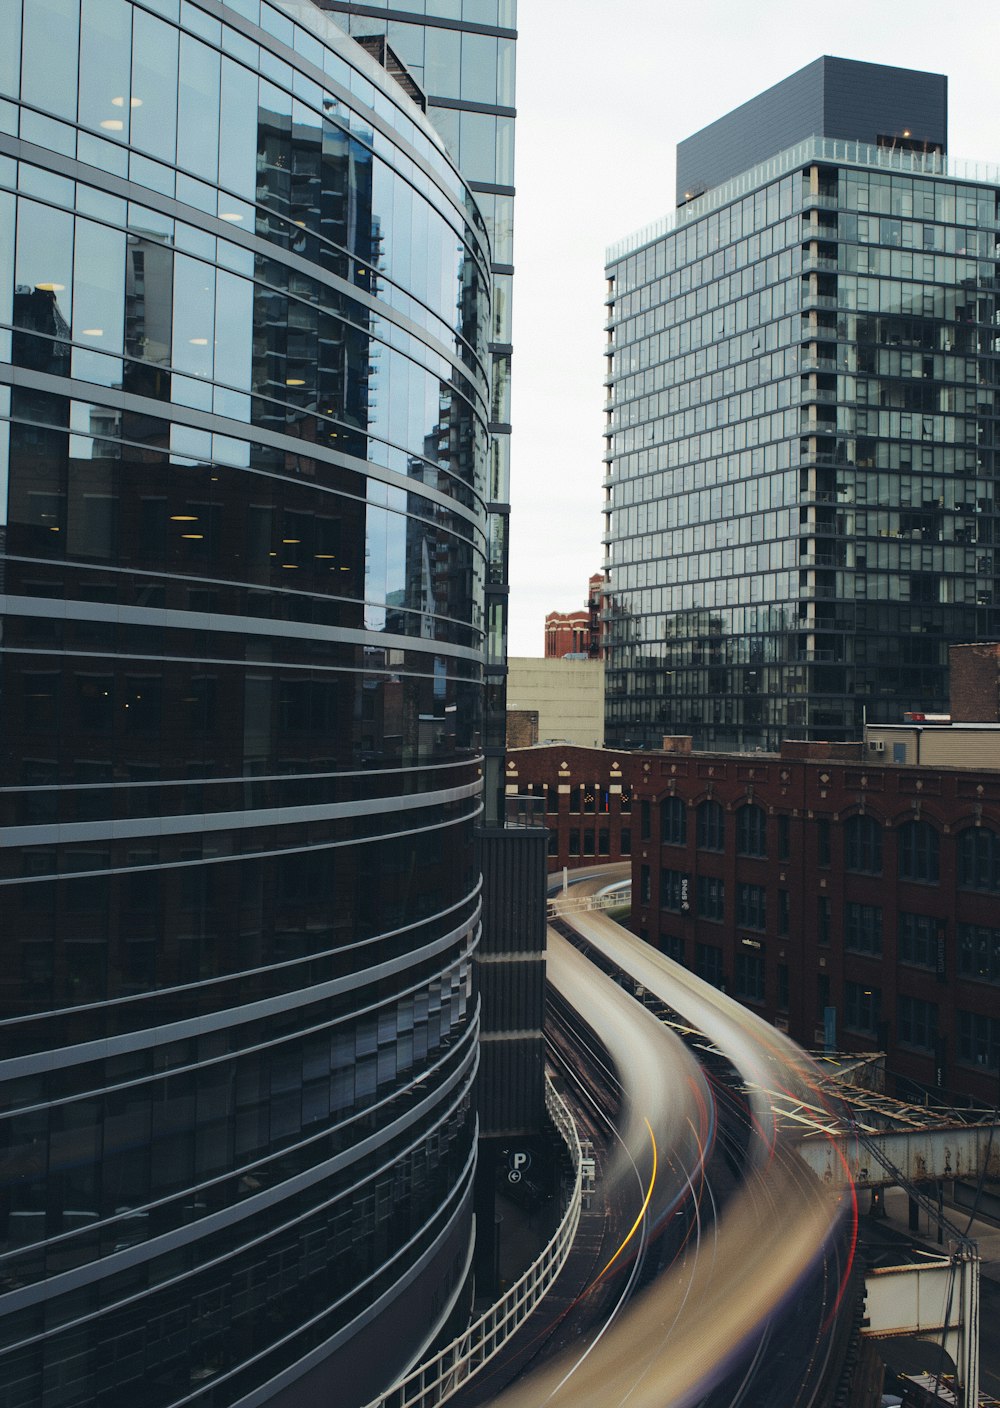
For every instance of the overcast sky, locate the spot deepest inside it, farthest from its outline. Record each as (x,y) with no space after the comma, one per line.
(605,91)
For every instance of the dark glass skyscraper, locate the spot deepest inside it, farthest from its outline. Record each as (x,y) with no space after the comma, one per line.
(802,420)
(245,377)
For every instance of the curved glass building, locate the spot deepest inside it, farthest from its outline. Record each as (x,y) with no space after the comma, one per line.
(244,330)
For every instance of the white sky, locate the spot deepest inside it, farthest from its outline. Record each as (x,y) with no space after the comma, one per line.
(605,91)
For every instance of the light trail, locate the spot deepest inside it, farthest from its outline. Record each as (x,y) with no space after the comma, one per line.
(642,1211)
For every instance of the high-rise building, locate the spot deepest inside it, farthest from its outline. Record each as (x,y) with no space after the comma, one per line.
(244,389)
(802,420)
(461,53)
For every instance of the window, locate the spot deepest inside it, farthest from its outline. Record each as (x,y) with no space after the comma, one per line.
(626,799)
(783,912)
(574,799)
(822,995)
(863,845)
(673,889)
(918,852)
(672,946)
(751,830)
(979,860)
(751,906)
(626,840)
(784,838)
(979,952)
(823,840)
(979,1040)
(711,827)
(673,822)
(783,996)
(645,821)
(603,841)
(918,939)
(823,919)
(862,1008)
(552,798)
(863,928)
(553,842)
(589,798)
(588,841)
(644,884)
(916,1023)
(574,841)
(749,975)
(711,897)
(708,963)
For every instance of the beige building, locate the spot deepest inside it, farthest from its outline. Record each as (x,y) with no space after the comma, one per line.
(944,745)
(566,695)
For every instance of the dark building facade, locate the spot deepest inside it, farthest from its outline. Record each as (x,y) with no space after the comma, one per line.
(852,903)
(245,395)
(802,420)
(877,104)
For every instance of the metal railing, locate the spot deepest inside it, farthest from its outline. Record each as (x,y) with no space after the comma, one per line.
(436,1380)
(611,899)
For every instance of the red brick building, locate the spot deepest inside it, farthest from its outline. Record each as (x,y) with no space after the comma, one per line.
(577,632)
(845,899)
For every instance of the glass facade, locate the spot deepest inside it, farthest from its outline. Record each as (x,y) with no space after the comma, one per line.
(462,55)
(800,456)
(245,316)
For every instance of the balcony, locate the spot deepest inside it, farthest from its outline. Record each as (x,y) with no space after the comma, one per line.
(818,264)
(811,301)
(819,364)
(812,201)
(816,393)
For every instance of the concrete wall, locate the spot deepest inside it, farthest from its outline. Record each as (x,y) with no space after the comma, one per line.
(568,696)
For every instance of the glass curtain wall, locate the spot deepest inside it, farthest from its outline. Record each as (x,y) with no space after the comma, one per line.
(462,54)
(801,495)
(245,321)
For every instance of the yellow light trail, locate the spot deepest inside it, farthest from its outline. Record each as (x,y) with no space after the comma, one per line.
(645,1204)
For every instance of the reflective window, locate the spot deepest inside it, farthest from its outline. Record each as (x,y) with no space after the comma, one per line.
(751,831)
(863,845)
(711,827)
(979,859)
(154,85)
(673,822)
(48,69)
(918,852)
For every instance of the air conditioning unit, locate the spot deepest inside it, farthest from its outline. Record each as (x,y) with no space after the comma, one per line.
(877,745)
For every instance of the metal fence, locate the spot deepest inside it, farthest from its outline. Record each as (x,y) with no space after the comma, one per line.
(436,1380)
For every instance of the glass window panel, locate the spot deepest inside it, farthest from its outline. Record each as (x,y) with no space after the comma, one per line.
(442,62)
(6,256)
(505,73)
(154,83)
(10,47)
(48,70)
(505,151)
(198,109)
(238,130)
(194,320)
(233,330)
(44,267)
(4,468)
(478,146)
(99,286)
(105,98)
(479,68)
